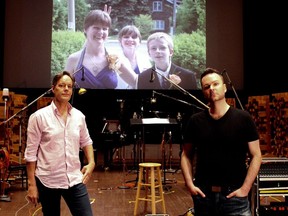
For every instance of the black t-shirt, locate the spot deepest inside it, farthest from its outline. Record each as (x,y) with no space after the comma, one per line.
(221,146)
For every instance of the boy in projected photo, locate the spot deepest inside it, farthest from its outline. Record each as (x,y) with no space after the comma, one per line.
(100,69)
(160,48)
(130,39)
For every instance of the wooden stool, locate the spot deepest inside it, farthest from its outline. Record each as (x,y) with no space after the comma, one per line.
(150,169)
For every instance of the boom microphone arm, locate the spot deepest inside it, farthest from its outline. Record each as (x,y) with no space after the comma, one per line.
(24,108)
(179,100)
(230,83)
(181,89)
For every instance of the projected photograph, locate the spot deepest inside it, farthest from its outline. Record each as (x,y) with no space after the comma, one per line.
(129,44)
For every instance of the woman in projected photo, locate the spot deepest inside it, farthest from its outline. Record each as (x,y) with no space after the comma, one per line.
(100,70)
(160,48)
(130,39)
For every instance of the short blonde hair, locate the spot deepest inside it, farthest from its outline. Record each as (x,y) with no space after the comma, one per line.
(161,35)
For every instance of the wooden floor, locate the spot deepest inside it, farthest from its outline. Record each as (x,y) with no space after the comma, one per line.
(107,196)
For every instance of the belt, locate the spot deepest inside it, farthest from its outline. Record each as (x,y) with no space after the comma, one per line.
(219,189)
(216,189)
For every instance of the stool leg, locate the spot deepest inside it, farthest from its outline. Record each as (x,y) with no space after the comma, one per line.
(138,191)
(146,174)
(161,190)
(153,190)
(22,177)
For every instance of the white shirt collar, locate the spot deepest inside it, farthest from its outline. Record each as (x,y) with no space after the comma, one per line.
(165,73)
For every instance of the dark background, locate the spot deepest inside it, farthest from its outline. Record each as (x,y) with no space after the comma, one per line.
(247,38)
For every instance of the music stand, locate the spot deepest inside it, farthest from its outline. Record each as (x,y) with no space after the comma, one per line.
(137,147)
(155,121)
(123,186)
(110,134)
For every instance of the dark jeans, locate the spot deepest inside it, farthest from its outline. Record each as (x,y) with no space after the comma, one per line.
(76,198)
(216,204)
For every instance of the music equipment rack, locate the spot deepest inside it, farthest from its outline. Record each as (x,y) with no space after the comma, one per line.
(272,181)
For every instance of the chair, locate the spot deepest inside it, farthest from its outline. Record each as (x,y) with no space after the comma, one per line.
(147,170)
(22,169)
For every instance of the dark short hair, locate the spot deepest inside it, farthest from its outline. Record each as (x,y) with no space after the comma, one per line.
(97,17)
(130,30)
(58,76)
(210,71)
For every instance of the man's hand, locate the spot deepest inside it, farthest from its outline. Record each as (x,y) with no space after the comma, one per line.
(87,172)
(32,194)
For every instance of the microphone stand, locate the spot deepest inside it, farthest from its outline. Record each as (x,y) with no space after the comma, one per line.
(81,91)
(252,193)
(179,100)
(5,197)
(3,166)
(184,92)
(181,89)
(24,108)
(230,83)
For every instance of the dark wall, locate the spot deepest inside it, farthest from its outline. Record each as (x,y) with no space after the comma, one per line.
(265,47)
(224,42)
(27,47)
(2,27)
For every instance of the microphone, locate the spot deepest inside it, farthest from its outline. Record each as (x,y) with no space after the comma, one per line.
(81,91)
(152,76)
(5,94)
(153,98)
(83,78)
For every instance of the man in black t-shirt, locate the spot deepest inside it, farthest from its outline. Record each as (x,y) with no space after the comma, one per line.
(220,138)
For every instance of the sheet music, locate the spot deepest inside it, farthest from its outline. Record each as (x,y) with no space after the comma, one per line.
(155,121)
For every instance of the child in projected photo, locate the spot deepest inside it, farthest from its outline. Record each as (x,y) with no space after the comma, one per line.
(160,48)
(130,40)
(100,69)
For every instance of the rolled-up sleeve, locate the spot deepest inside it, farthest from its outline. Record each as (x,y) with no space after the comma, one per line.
(33,139)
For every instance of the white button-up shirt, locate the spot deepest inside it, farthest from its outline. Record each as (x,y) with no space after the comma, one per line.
(55,146)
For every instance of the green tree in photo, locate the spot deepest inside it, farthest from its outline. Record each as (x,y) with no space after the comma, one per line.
(123,11)
(191,16)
